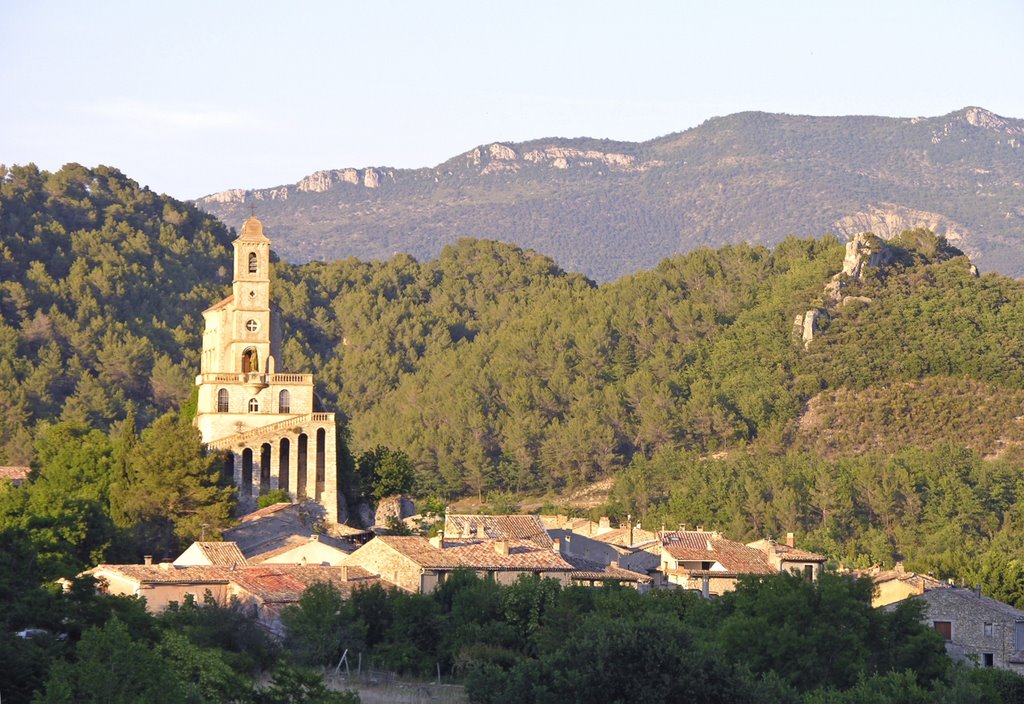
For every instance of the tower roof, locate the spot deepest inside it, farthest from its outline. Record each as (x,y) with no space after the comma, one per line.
(253,230)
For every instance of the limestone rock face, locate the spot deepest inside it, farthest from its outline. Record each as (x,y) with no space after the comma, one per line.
(814,323)
(865,250)
(393,507)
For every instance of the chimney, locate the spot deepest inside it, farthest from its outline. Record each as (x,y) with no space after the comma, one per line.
(604,523)
(501,547)
(303,561)
(556,545)
(709,546)
(315,538)
(438,541)
(166,566)
(899,567)
(466,531)
(789,540)
(343,572)
(147,560)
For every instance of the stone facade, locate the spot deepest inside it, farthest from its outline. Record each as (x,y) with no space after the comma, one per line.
(976,628)
(266,422)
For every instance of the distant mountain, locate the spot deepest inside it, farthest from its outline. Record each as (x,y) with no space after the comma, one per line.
(609,208)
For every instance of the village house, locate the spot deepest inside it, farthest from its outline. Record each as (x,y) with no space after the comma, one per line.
(975,627)
(419,565)
(897,584)
(15,475)
(497,527)
(213,570)
(704,560)
(287,533)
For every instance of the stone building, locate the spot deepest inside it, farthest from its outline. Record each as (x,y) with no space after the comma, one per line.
(267,422)
(705,560)
(975,627)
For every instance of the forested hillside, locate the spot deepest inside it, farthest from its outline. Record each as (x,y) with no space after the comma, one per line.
(607,208)
(895,433)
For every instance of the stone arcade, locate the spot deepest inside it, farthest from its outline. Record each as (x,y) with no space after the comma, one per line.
(267,423)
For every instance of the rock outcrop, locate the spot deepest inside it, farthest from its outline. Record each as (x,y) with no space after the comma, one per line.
(864,250)
(393,508)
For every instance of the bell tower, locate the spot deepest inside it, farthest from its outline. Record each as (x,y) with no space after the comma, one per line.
(262,419)
(250,349)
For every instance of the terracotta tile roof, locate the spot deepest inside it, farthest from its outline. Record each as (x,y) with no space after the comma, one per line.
(620,536)
(221,303)
(169,574)
(786,552)
(266,582)
(225,554)
(735,558)
(285,583)
(914,579)
(580,526)
(265,511)
(508,527)
(16,474)
(587,570)
(477,554)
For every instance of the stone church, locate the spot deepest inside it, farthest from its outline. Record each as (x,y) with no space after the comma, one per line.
(268,423)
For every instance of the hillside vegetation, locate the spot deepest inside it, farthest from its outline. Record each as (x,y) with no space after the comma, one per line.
(608,208)
(496,371)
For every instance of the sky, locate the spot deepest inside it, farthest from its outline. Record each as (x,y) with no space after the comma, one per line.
(191,98)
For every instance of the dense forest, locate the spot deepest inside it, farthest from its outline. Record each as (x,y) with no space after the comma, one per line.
(894,435)
(498,373)
(609,208)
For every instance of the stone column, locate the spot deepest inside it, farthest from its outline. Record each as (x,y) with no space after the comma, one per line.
(293,465)
(311,463)
(275,466)
(257,473)
(330,497)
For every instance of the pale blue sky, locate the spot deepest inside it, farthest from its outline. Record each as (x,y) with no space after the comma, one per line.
(193,97)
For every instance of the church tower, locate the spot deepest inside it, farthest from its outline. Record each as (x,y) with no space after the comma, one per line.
(265,421)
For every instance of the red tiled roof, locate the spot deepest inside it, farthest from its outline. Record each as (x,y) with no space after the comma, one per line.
(225,554)
(265,511)
(735,558)
(587,570)
(285,583)
(786,552)
(266,582)
(507,527)
(620,536)
(15,474)
(171,574)
(221,303)
(477,554)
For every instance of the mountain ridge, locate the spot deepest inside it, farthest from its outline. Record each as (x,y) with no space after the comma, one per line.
(609,207)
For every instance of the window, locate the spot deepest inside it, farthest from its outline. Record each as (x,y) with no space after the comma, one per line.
(251,325)
(222,401)
(250,361)
(945,628)
(987,660)
(284,402)
(987,630)
(254,406)
(809,573)
(252,263)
